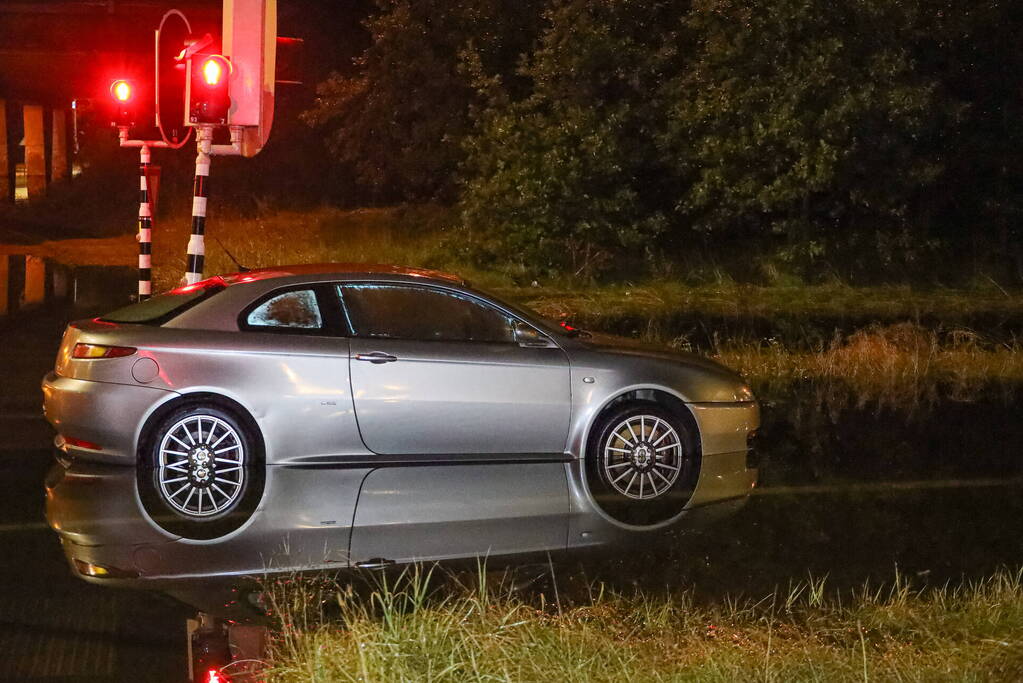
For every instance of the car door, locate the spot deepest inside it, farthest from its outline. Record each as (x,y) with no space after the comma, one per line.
(437,372)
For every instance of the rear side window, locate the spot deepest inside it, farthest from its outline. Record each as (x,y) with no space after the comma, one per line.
(295,310)
(423,314)
(163,307)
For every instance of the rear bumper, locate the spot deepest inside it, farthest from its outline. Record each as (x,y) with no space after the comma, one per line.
(106,414)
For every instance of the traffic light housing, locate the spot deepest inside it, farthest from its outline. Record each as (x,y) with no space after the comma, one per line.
(123,102)
(209,100)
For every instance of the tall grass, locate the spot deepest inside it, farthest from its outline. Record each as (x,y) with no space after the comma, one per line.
(903,366)
(408,631)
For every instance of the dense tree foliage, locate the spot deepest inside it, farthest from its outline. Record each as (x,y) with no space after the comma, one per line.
(399,119)
(571,172)
(801,115)
(582,132)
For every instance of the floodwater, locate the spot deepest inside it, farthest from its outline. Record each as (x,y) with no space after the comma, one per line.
(857,495)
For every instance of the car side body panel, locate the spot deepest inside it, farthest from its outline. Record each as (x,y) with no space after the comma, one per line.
(455,398)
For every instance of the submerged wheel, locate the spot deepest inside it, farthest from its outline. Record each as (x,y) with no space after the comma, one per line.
(202,473)
(642,463)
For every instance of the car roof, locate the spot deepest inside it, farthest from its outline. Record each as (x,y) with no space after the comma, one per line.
(339,269)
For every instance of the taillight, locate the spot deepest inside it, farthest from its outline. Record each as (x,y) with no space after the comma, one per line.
(101,351)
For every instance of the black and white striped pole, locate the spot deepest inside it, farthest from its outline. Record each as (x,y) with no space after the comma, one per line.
(197,243)
(145,227)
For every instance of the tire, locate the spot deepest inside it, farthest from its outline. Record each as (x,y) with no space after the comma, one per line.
(642,463)
(201,473)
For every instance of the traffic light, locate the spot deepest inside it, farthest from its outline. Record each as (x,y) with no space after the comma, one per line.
(208,82)
(123,101)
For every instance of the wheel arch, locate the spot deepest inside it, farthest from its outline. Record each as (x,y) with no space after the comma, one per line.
(200,398)
(663,397)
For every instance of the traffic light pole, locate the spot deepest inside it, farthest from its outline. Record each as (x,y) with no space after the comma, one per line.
(145,224)
(145,228)
(197,241)
(205,149)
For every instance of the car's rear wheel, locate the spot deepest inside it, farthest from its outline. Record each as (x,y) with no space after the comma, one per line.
(642,463)
(202,472)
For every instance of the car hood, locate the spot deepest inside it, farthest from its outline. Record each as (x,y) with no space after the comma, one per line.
(613,344)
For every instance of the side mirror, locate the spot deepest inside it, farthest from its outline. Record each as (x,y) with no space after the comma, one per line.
(527,335)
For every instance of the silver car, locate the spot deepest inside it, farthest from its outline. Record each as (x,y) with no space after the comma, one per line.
(347,416)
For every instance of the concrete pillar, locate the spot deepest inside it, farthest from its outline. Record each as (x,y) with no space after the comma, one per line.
(5,274)
(6,179)
(60,282)
(58,147)
(35,151)
(35,280)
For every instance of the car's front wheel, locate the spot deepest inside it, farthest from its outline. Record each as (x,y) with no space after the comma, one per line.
(202,474)
(642,463)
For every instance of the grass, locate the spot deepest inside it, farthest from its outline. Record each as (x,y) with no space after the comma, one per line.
(478,632)
(902,366)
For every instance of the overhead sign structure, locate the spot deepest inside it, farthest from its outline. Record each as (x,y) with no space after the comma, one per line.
(250,42)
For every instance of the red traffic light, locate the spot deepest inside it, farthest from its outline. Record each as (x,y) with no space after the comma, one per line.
(213,71)
(121,90)
(208,92)
(122,104)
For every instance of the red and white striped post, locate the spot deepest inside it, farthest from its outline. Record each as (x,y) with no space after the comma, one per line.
(196,243)
(145,228)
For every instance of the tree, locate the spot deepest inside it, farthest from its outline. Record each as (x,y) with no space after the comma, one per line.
(569,175)
(805,117)
(399,120)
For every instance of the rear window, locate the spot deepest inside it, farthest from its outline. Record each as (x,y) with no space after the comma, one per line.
(163,307)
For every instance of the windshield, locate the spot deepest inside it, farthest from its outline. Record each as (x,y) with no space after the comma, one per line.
(163,307)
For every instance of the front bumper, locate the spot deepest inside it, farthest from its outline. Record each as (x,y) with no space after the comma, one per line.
(106,414)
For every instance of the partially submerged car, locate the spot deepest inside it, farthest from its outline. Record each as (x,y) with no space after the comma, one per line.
(352,416)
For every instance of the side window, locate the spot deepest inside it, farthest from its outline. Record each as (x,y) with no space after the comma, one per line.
(291,310)
(422,313)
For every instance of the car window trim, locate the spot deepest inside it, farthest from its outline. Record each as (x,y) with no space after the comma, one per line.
(331,326)
(432,286)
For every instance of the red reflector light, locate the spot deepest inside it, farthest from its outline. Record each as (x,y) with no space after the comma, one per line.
(214,676)
(121,90)
(92,351)
(81,443)
(212,71)
(209,283)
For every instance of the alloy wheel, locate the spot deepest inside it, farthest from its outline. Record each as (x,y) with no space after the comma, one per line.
(201,468)
(642,457)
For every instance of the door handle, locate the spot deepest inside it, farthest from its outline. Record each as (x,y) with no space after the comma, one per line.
(376,357)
